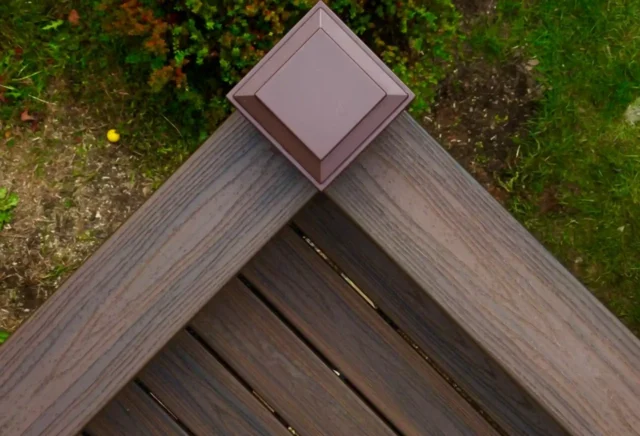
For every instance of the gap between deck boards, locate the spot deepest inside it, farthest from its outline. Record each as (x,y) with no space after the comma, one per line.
(387,319)
(327,362)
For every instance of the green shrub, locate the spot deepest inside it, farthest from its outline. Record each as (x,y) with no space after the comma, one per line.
(198,49)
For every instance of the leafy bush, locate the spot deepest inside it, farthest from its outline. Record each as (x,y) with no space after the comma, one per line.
(200,48)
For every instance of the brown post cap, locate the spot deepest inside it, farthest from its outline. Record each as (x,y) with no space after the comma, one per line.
(320,95)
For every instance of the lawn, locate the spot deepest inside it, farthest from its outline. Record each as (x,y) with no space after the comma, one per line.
(532,98)
(576,185)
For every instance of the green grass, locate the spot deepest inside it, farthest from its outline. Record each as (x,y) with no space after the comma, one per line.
(8,202)
(580,147)
(41,52)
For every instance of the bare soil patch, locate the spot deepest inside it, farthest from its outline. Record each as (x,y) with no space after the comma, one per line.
(75,189)
(479,114)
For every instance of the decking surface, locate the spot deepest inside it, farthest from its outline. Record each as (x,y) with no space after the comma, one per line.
(292,343)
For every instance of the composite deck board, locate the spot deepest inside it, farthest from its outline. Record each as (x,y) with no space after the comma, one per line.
(203,394)
(133,412)
(418,315)
(147,281)
(364,348)
(281,368)
(493,278)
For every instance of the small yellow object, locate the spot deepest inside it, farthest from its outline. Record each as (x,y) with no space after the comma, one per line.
(113,136)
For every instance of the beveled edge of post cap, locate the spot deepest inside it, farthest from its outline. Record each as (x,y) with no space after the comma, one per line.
(321,172)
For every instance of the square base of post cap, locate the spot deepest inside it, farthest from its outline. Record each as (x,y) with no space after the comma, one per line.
(320,95)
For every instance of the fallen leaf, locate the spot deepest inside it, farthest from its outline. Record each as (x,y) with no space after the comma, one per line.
(549,201)
(25,116)
(74,17)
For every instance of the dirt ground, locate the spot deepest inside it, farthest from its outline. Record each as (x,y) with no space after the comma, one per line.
(481,108)
(479,113)
(75,189)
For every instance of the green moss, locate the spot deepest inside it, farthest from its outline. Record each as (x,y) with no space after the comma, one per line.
(8,202)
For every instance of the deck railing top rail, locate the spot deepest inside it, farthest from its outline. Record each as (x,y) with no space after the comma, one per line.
(572,364)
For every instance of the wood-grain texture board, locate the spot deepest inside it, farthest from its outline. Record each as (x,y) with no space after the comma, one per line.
(363,347)
(495,280)
(125,303)
(418,315)
(133,412)
(203,394)
(281,368)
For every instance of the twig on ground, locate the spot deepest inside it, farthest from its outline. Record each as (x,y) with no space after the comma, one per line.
(173,125)
(42,101)
(26,77)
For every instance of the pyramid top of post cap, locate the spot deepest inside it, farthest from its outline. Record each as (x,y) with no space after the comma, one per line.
(320,95)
